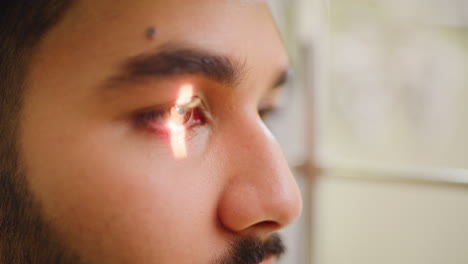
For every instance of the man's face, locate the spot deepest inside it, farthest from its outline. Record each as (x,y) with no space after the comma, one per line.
(101,158)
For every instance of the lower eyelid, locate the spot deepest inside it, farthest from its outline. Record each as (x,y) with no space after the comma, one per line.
(160,127)
(155,121)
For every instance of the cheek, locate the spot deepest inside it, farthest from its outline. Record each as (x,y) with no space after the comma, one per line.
(117,192)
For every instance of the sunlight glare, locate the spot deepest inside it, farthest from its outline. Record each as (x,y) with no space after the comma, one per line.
(178,144)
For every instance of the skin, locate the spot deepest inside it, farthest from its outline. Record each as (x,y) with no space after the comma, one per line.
(113,190)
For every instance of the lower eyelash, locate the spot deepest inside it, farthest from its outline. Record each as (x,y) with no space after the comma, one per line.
(148,120)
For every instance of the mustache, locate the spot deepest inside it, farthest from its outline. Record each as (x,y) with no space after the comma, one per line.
(253,250)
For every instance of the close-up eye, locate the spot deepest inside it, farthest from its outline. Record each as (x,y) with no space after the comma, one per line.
(266,112)
(187,116)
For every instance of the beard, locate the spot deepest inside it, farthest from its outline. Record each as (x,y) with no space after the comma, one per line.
(24,235)
(252,251)
(27,237)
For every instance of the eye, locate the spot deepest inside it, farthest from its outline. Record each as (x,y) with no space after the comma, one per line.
(189,116)
(266,112)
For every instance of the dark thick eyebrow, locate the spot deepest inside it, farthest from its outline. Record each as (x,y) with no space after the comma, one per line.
(172,62)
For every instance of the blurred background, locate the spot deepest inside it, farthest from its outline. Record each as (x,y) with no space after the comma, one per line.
(375,128)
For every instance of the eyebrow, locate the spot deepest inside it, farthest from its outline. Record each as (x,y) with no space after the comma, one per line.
(176,61)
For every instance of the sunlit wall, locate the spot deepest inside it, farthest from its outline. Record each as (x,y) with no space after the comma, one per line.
(384,84)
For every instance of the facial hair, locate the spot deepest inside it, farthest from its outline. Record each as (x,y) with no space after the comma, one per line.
(25,237)
(252,251)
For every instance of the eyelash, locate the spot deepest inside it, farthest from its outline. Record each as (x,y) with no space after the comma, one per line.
(267,112)
(157,120)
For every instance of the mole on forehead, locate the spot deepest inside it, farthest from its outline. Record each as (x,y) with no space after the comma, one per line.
(151,33)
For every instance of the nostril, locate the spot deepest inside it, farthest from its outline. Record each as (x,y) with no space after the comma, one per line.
(268,226)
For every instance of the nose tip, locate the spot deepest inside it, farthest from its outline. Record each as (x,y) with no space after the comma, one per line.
(245,207)
(262,194)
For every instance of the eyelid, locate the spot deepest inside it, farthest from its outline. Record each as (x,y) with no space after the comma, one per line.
(145,116)
(268,111)
(157,108)
(194,102)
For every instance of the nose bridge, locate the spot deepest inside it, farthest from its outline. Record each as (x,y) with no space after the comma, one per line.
(261,187)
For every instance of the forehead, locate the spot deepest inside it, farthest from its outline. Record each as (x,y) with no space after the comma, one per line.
(96,36)
(220,25)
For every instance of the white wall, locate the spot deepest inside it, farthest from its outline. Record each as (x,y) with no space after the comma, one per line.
(387,215)
(371,221)
(370,205)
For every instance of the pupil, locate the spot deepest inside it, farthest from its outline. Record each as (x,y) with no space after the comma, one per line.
(180,115)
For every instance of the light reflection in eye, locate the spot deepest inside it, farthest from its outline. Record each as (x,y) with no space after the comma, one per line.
(179,148)
(185,95)
(176,121)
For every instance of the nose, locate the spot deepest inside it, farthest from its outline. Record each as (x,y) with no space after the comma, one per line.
(261,194)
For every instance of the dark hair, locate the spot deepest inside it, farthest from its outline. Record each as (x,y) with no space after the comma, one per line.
(23,24)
